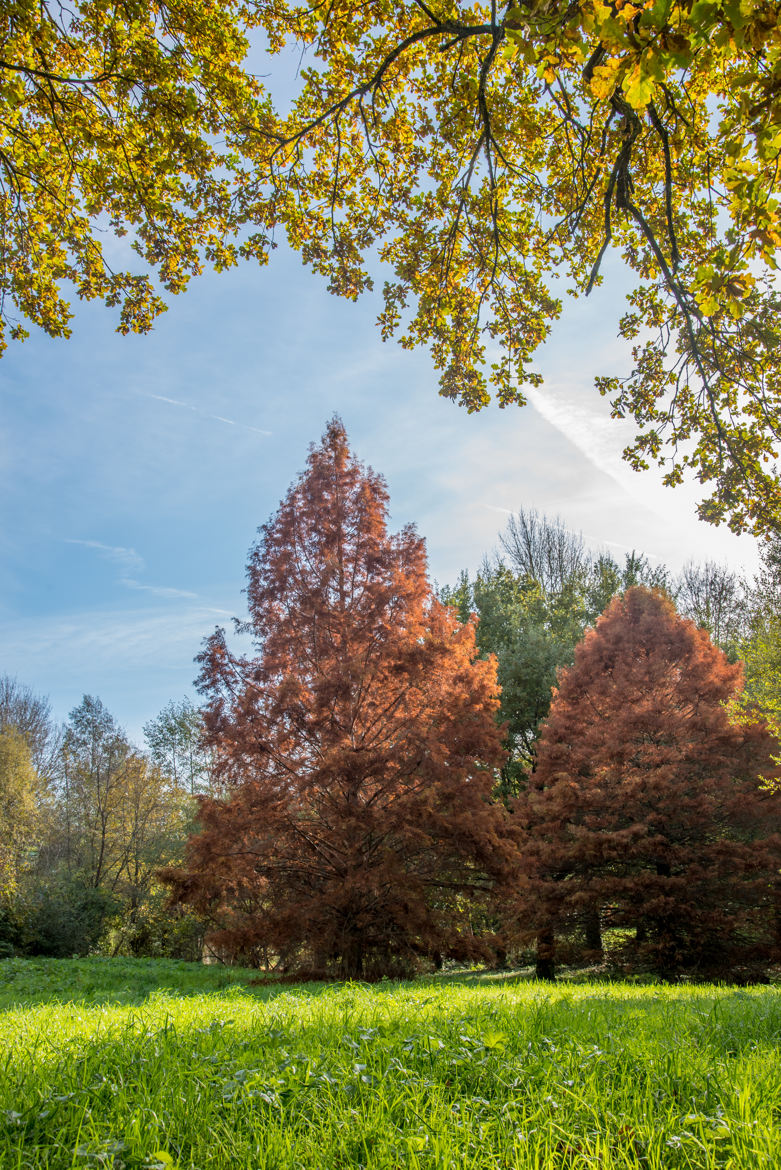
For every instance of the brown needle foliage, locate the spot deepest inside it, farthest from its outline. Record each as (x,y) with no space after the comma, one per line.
(356,747)
(648,809)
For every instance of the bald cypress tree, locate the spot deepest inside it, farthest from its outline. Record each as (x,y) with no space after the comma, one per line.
(356,746)
(653,803)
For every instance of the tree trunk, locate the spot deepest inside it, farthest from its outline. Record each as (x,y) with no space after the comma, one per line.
(546,951)
(352,959)
(320,959)
(777,923)
(593,929)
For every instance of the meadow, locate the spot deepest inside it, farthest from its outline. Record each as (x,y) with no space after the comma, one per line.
(150,1065)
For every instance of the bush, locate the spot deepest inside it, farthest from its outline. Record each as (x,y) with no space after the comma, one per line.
(65,918)
(161,931)
(10,932)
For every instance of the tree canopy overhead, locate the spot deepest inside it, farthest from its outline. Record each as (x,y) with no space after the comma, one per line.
(485,149)
(481,150)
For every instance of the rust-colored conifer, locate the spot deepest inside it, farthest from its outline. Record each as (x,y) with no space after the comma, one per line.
(356,748)
(647,808)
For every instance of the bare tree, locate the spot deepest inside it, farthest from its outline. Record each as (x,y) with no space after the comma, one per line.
(712,595)
(544,550)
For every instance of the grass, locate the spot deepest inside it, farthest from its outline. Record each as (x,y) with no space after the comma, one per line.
(144,1064)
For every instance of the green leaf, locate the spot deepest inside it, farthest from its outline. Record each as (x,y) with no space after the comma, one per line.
(495,1041)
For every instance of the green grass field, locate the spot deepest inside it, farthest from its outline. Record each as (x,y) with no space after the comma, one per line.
(144,1064)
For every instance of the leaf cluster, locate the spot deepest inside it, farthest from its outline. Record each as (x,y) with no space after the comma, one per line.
(483,151)
(119,120)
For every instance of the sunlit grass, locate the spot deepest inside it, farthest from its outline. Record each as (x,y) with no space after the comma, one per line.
(144,1064)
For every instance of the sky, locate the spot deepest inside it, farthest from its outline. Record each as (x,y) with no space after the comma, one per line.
(135,471)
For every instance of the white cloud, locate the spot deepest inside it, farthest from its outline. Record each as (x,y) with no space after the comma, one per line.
(134,659)
(599,438)
(640,513)
(156,590)
(500,510)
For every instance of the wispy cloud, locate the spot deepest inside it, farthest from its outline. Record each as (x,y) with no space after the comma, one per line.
(135,659)
(497,508)
(156,590)
(126,558)
(231,422)
(130,564)
(598,438)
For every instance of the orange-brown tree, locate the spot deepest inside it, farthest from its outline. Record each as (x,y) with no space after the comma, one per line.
(648,808)
(356,748)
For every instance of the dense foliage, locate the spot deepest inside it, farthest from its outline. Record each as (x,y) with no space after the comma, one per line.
(83,834)
(654,806)
(347,801)
(534,603)
(123,117)
(355,749)
(486,150)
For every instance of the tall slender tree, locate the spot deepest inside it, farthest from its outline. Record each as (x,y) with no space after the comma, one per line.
(174,741)
(652,801)
(357,746)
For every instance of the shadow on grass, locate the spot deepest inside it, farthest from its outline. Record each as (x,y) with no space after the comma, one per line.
(121,982)
(128,982)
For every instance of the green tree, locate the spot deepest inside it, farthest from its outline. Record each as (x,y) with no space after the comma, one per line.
(606,578)
(117,809)
(533,609)
(532,636)
(760,647)
(482,151)
(174,739)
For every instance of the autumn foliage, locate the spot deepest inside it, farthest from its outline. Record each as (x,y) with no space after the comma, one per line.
(648,810)
(355,748)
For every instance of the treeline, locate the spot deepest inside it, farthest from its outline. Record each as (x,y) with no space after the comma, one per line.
(86,821)
(383,783)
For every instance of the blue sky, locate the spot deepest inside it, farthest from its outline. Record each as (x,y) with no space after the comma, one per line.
(134,471)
